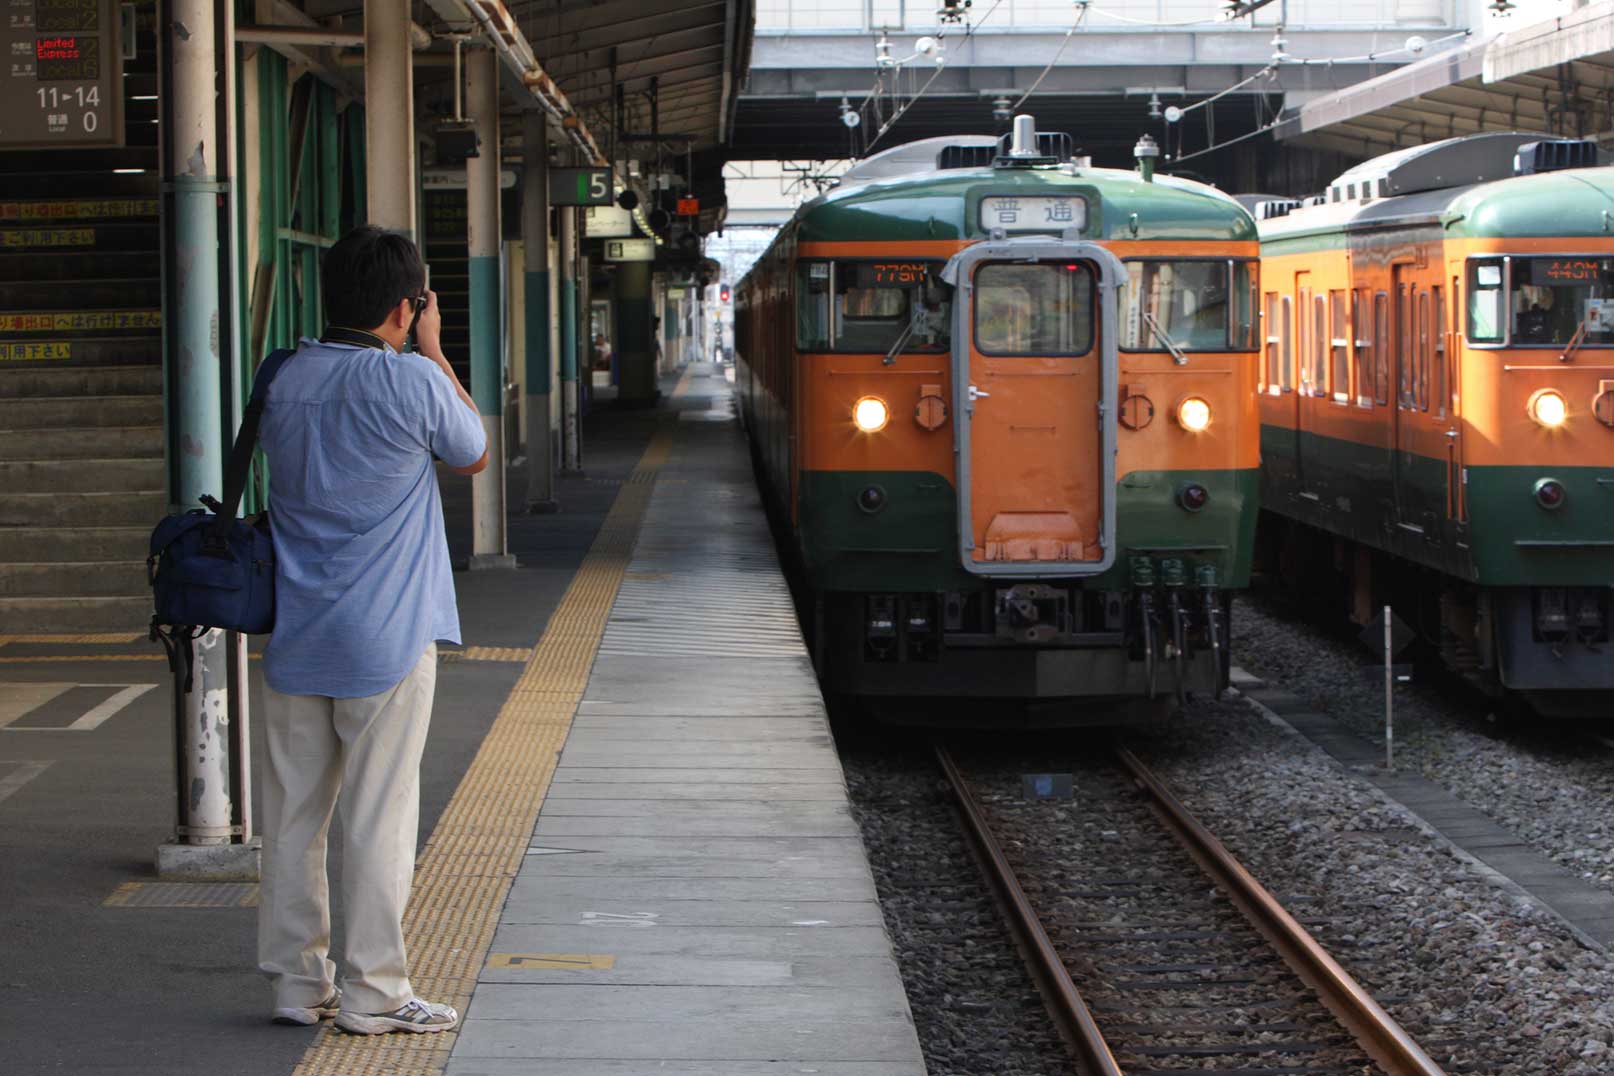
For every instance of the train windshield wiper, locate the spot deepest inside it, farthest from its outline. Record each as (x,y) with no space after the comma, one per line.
(1165,338)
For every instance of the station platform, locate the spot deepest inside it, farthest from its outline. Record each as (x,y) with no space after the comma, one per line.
(637,852)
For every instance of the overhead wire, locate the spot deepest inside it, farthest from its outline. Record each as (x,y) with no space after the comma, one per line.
(1081,16)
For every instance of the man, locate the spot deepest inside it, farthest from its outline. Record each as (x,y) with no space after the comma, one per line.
(363,591)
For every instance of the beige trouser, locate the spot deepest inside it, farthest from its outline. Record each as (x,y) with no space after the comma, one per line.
(368,749)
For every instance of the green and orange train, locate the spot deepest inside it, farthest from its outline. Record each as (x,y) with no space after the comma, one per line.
(1437,405)
(1003,404)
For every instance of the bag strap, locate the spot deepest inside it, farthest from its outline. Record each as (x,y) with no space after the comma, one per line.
(246,439)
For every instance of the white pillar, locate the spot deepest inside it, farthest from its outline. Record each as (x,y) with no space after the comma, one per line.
(389,116)
(483,240)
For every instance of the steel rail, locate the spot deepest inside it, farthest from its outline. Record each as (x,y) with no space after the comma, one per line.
(1375,1030)
(1064,1002)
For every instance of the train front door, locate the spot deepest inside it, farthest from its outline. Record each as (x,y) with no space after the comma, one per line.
(1035,360)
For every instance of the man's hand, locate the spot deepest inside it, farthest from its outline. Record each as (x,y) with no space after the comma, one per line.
(429,329)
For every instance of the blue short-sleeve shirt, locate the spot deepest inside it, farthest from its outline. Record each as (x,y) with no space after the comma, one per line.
(362,576)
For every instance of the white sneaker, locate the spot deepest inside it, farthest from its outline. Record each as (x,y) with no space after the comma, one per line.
(291,1014)
(412,1015)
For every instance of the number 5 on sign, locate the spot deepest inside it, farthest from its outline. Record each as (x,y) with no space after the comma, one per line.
(579,186)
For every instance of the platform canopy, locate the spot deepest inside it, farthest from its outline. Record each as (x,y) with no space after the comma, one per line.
(1554,77)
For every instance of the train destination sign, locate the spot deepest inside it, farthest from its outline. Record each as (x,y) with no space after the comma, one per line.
(62,83)
(1012,213)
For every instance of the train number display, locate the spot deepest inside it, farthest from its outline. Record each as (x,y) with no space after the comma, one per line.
(62,83)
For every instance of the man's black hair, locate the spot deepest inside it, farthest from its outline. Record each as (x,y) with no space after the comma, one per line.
(367,274)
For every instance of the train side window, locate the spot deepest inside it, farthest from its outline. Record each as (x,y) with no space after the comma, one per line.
(1485,309)
(1286,374)
(1319,346)
(1362,326)
(1274,362)
(1437,326)
(1403,347)
(814,292)
(1381,345)
(1420,373)
(1339,347)
(1303,344)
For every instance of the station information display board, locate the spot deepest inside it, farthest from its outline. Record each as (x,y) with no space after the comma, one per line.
(62,83)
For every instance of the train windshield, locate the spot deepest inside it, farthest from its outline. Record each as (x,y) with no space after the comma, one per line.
(1552,297)
(1033,309)
(1201,304)
(872,305)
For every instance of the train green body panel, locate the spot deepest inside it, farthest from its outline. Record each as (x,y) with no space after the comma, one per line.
(912,544)
(941,206)
(1508,540)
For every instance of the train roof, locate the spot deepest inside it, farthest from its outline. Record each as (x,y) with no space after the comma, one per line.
(936,203)
(1466,186)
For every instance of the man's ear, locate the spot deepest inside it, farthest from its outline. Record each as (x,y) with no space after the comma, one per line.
(402,313)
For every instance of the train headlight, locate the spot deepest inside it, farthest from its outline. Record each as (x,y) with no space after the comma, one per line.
(870,414)
(1547,407)
(1194,414)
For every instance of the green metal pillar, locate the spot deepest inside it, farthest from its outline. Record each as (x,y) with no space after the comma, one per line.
(570,454)
(635,342)
(535,291)
(483,233)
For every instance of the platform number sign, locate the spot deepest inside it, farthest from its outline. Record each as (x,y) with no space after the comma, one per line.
(579,186)
(62,83)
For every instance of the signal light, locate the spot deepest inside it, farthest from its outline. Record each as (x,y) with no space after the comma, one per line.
(723,293)
(1548,407)
(1194,414)
(871,414)
(1550,493)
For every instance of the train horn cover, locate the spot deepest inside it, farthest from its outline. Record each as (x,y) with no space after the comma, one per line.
(870,414)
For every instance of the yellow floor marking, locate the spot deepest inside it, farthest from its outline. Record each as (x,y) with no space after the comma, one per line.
(553,961)
(480,842)
(496,653)
(23,659)
(96,637)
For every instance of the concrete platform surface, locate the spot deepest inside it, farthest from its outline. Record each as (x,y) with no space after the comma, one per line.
(696,852)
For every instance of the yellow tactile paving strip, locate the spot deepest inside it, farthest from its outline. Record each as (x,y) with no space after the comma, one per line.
(471,857)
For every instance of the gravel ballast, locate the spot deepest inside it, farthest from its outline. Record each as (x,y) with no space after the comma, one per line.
(1485,981)
(1551,783)
(974,1005)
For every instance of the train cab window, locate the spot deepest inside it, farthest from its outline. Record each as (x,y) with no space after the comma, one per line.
(1362,323)
(1246,292)
(1485,302)
(869,306)
(1339,347)
(1199,304)
(1033,309)
(1558,300)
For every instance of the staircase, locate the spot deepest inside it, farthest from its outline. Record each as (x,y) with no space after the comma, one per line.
(82,474)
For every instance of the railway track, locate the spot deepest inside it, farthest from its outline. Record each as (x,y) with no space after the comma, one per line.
(1148,971)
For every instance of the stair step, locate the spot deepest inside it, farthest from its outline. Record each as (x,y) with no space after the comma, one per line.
(78,579)
(144,349)
(84,475)
(45,380)
(36,544)
(101,294)
(26,615)
(83,509)
(55,412)
(95,442)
